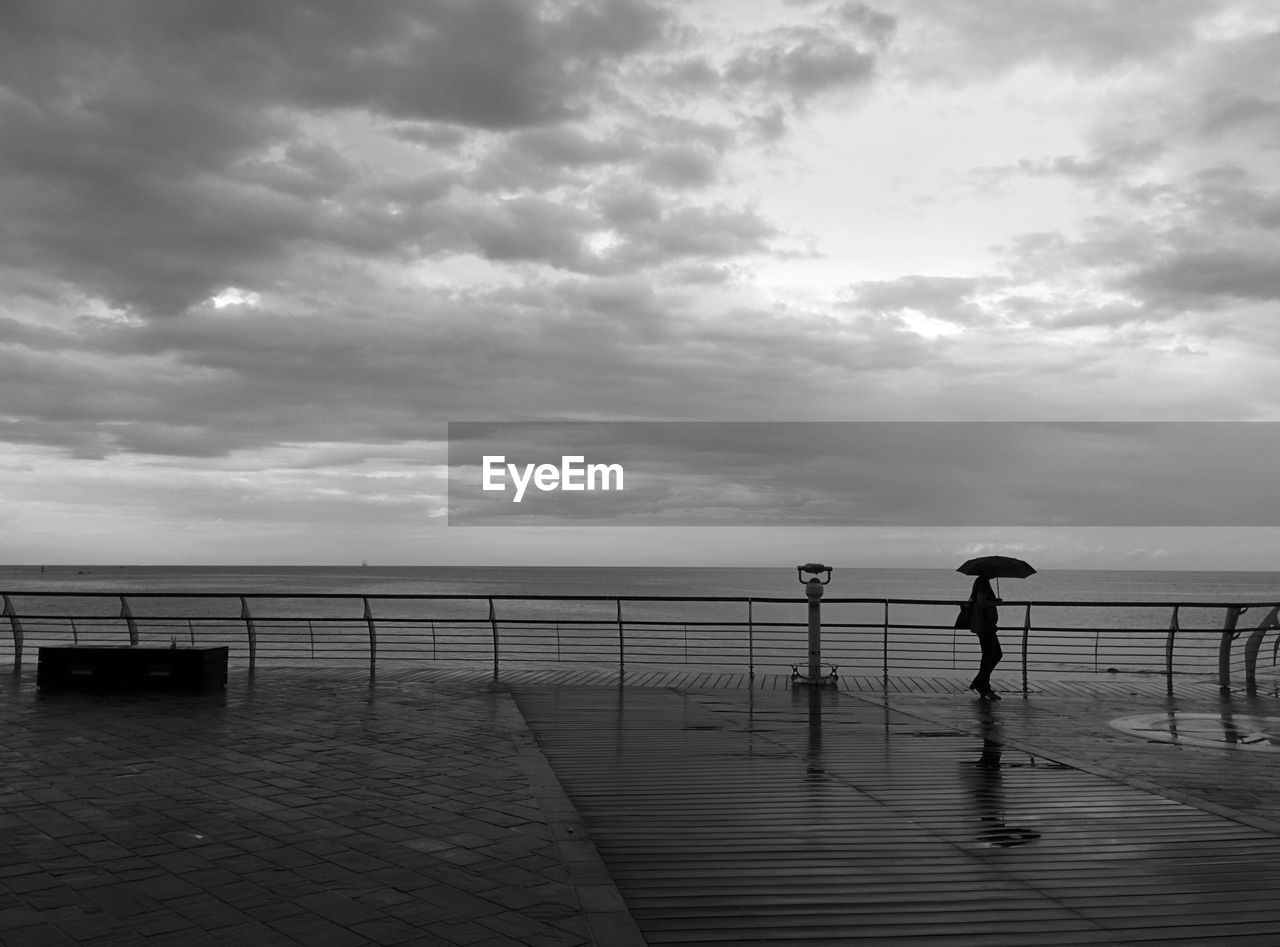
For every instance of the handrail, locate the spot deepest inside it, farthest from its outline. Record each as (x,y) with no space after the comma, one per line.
(1254,642)
(514,621)
(16,627)
(545,596)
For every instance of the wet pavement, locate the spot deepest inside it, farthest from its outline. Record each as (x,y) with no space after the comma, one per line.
(308,805)
(299,808)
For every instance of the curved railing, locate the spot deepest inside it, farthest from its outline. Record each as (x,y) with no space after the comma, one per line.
(859,635)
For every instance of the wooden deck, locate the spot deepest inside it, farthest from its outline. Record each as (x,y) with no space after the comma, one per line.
(772,815)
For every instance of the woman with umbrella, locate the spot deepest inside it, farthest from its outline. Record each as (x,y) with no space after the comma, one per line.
(983,616)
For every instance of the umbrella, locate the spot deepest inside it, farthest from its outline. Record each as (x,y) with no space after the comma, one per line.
(997,567)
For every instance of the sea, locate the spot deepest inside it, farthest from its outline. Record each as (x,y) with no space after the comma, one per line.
(873,620)
(1050,585)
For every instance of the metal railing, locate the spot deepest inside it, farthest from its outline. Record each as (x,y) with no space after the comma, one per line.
(860,635)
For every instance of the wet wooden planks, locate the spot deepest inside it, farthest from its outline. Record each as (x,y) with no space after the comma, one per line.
(750,818)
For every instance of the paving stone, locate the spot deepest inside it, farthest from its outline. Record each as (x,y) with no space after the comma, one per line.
(160,923)
(388,931)
(39,935)
(310,929)
(272,911)
(50,898)
(32,881)
(132,818)
(465,933)
(196,938)
(84,926)
(117,938)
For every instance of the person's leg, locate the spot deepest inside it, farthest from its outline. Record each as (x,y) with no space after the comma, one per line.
(991,655)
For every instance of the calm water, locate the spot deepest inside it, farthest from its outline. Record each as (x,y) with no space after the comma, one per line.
(1087,636)
(1053,585)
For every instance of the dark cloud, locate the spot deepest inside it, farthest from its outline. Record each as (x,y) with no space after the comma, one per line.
(1227,197)
(1173,251)
(530,229)
(431,135)
(690,75)
(609,28)
(1212,277)
(718,232)
(770,125)
(245,378)
(682,167)
(802,62)
(566,160)
(156,152)
(1227,111)
(1214,243)
(626,204)
(877,25)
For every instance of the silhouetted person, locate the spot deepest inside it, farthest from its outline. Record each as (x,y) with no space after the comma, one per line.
(983,618)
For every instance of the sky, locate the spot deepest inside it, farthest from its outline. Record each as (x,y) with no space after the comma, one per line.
(255,259)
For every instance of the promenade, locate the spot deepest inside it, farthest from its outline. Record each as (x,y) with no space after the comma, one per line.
(431,806)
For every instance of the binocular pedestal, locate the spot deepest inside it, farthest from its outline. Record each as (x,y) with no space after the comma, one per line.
(813,591)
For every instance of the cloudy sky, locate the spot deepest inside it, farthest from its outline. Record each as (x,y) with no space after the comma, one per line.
(255,257)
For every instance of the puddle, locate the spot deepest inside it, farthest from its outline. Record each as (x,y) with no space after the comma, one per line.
(1216,731)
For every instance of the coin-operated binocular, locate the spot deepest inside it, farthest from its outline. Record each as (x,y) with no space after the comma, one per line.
(813,587)
(813,592)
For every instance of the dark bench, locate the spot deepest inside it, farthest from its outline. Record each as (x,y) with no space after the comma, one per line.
(132,668)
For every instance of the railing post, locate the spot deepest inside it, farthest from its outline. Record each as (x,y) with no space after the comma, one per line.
(1168,650)
(751,639)
(884,644)
(373,638)
(252,631)
(1254,643)
(16,626)
(128,617)
(1026,637)
(1229,634)
(622,643)
(493,624)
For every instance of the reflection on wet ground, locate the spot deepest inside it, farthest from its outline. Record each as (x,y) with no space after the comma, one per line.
(983,780)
